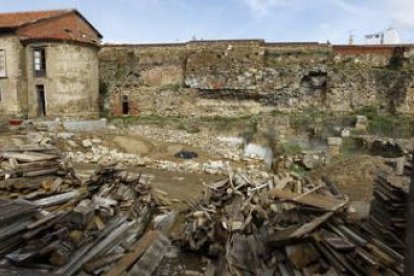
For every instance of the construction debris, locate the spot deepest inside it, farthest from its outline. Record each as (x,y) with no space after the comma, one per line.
(55,223)
(52,222)
(286,226)
(388,209)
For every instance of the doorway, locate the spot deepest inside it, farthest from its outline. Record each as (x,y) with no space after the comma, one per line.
(41,100)
(125,105)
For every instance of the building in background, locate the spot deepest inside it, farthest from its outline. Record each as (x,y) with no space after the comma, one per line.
(48,65)
(389,36)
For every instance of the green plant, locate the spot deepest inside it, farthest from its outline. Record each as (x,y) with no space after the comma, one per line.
(298,169)
(173,87)
(251,129)
(290,148)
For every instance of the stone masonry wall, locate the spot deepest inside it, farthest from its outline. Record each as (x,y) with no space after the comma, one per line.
(71,82)
(13,86)
(229,78)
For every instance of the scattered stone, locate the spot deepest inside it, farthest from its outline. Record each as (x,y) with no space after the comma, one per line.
(361,123)
(87,143)
(65,135)
(345,132)
(334,145)
(96,141)
(310,161)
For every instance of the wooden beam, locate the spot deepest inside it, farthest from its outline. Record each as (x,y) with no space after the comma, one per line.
(139,249)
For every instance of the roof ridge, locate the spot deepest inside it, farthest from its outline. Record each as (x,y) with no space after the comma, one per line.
(38,11)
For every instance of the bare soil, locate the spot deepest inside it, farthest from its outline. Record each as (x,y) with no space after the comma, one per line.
(354,176)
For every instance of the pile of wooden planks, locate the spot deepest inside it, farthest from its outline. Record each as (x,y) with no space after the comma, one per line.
(53,223)
(288,226)
(388,209)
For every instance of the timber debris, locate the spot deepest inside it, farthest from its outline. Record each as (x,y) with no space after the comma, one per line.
(286,226)
(388,209)
(52,222)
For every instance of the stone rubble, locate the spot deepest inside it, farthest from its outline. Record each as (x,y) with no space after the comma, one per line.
(93,151)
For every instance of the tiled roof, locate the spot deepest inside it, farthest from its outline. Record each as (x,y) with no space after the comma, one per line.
(67,25)
(17,19)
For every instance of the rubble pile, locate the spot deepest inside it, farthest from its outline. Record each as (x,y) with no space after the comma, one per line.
(285,226)
(51,222)
(388,209)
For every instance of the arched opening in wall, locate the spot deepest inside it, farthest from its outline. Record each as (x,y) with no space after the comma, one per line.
(125,105)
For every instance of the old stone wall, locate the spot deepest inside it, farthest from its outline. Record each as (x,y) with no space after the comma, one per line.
(203,78)
(13,87)
(71,82)
(136,71)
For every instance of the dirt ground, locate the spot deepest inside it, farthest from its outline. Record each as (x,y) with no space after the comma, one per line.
(176,186)
(354,176)
(155,149)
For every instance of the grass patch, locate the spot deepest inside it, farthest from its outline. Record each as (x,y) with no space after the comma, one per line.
(290,148)
(172,87)
(381,124)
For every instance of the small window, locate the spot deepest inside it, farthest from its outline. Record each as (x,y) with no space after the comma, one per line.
(125,105)
(39,62)
(2,63)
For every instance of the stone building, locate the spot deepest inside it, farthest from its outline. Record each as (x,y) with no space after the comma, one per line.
(48,65)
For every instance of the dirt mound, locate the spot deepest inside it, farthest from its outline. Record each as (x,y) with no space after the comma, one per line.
(354,176)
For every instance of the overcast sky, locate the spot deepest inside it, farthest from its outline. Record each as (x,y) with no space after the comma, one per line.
(142,21)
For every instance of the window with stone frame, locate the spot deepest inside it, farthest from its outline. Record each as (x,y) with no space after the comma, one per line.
(2,63)
(39,62)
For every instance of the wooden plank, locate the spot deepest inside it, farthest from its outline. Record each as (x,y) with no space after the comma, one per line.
(94,265)
(152,257)
(58,199)
(314,200)
(310,226)
(29,156)
(139,249)
(82,255)
(298,231)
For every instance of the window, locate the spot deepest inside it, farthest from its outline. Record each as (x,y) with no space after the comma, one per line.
(2,63)
(39,62)
(1,96)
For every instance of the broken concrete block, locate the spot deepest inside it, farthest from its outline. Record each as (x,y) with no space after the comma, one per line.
(361,123)
(72,143)
(334,145)
(87,143)
(345,132)
(96,141)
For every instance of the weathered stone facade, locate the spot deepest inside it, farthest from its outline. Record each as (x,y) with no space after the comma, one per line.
(204,78)
(69,79)
(13,86)
(71,83)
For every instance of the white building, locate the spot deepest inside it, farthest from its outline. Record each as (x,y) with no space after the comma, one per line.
(389,36)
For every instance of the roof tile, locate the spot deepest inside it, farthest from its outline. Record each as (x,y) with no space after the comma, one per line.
(16,19)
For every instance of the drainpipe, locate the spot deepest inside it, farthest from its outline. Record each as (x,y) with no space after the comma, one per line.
(409,242)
